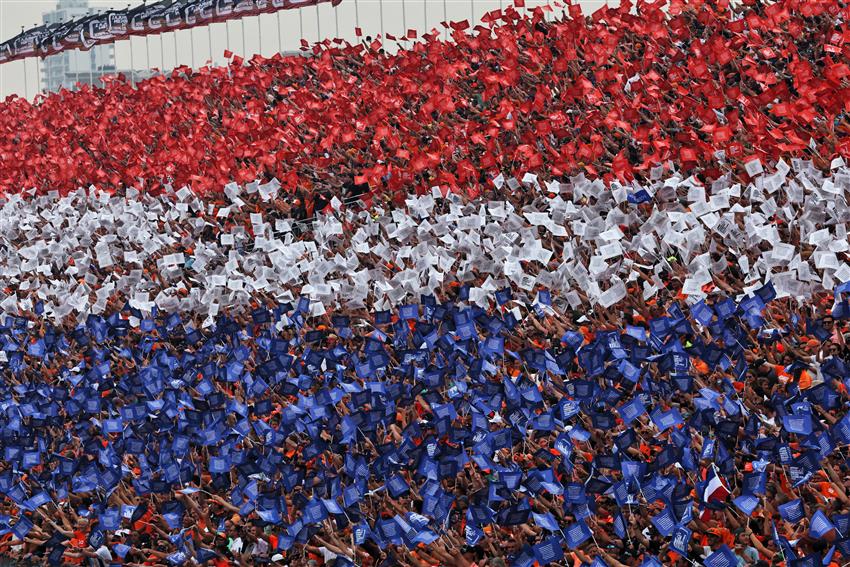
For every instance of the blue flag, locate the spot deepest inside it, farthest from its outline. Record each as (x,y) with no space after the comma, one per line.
(820,525)
(619,525)
(723,557)
(792,511)
(664,522)
(746,503)
(841,430)
(548,551)
(576,534)
(546,521)
(631,410)
(650,561)
(800,424)
(681,539)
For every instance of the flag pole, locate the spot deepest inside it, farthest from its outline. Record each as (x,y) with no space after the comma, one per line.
(192,41)
(244,44)
(279,37)
(260,33)
(404,17)
(147,47)
(91,62)
(37,72)
(356,13)
(132,64)
(336,20)
(148,52)
(26,81)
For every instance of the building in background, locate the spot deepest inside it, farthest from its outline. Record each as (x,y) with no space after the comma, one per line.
(71,67)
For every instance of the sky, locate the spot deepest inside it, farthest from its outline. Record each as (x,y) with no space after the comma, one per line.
(264,34)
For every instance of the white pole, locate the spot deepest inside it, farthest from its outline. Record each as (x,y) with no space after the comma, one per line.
(161,54)
(260,33)
(318,25)
(148,53)
(445,20)
(130,42)
(91,57)
(279,36)
(244,44)
(78,57)
(404,18)
(192,41)
(357,14)
(174,37)
(209,39)
(37,71)
(301,23)
(132,63)
(381,6)
(26,81)
(147,47)
(336,20)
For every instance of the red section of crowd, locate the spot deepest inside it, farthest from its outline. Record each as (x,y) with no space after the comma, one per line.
(614,94)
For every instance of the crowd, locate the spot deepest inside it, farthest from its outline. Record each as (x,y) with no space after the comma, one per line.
(571,373)
(565,291)
(611,95)
(588,243)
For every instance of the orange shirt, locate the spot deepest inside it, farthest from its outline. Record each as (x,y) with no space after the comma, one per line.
(805,380)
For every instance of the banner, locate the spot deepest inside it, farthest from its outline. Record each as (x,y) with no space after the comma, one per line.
(114,25)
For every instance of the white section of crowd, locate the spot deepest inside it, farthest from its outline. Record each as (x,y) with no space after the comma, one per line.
(580,239)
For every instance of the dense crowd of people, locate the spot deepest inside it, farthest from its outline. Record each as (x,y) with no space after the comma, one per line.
(611,95)
(572,373)
(588,243)
(566,291)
